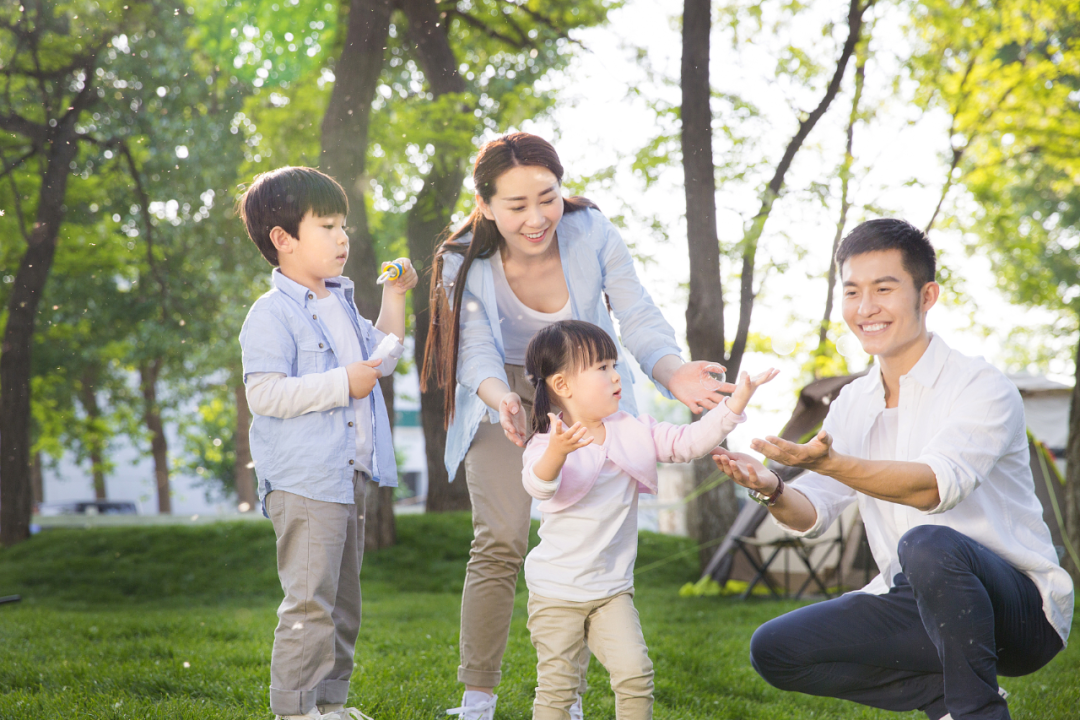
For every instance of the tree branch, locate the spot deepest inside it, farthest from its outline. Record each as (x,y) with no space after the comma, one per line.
(772,190)
(37,134)
(484,28)
(8,169)
(544,20)
(144,208)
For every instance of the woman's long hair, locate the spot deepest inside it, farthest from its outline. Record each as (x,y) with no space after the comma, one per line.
(561,347)
(494,159)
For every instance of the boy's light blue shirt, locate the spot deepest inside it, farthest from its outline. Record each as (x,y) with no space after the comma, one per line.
(596,262)
(313,455)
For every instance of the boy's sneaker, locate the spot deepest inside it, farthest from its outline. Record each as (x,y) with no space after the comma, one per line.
(575,710)
(343,713)
(312,714)
(475,705)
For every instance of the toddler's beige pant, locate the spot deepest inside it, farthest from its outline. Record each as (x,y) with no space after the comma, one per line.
(611,629)
(500,512)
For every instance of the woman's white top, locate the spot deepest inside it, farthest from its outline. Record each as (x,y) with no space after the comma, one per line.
(587,551)
(518,321)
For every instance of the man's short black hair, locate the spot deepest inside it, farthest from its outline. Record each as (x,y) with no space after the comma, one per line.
(916,252)
(283,197)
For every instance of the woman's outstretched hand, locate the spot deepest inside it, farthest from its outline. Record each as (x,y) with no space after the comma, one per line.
(512,418)
(686,385)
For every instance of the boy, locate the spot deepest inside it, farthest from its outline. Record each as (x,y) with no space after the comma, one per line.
(318,432)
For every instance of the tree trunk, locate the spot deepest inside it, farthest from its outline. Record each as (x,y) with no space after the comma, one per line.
(427,219)
(16,495)
(345,137)
(95,440)
(713,511)
(37,479)
(344,156)
(1072,476)
(159,446)
(380,530)
(429,216)
(243,470)
(845,201)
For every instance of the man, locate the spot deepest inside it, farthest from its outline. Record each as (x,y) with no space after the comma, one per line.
(932,444)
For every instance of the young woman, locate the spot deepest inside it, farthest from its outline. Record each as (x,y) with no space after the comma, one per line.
(525,258)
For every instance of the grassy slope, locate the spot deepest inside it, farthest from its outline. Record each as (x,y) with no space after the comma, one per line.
(111,616)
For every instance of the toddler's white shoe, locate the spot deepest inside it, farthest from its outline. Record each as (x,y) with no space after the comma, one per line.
(475,705)
(576,712)
(334,712)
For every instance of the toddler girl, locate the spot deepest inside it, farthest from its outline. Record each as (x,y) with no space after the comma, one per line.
(588,466)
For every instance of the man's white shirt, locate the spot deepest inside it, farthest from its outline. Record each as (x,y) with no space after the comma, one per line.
(965,419)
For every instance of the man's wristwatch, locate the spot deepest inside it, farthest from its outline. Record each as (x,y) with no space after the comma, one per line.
(769,500)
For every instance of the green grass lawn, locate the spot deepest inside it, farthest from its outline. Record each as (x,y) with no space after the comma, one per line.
(177,622)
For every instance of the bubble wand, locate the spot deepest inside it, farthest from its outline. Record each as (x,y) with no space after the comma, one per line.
(390,271)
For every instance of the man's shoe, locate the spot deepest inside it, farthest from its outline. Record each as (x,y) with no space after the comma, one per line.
(1001,691)
(575,710)
(474,708)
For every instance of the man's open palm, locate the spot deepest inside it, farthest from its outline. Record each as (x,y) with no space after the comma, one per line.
(809,456)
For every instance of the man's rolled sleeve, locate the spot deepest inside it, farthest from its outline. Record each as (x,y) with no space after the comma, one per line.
(829,498)
(982,428)
(267,345)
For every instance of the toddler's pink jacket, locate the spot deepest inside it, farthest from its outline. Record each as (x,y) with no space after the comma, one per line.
(634,445)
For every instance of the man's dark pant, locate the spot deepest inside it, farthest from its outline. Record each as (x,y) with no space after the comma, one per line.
(957,617)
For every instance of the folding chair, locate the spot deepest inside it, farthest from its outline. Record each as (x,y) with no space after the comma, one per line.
(802,549)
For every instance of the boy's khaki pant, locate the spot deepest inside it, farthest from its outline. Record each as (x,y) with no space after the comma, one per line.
(500,515)
(320,546)
(612,630)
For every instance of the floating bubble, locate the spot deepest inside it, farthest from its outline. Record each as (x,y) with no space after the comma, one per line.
(713,377)
(848,345)
(783,346)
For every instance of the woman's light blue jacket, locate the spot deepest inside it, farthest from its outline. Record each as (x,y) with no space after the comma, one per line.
(595,262)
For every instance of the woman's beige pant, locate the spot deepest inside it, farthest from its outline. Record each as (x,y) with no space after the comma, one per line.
(500,511)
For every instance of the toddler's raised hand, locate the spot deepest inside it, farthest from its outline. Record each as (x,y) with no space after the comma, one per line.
(566,440)
(744,389)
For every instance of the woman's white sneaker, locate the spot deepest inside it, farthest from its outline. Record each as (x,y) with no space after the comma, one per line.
(475,705)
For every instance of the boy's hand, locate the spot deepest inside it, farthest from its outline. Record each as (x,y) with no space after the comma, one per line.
(745,388)
(363,376)
(566,440)
(406,281)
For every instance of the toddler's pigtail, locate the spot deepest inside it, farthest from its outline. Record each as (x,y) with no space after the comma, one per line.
(541,406)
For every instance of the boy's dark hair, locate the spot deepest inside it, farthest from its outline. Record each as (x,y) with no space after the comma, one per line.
(283,197)
(917,253)
(560,347)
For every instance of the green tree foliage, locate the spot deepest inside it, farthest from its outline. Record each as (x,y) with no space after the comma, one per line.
(152,273)
(1010,83)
